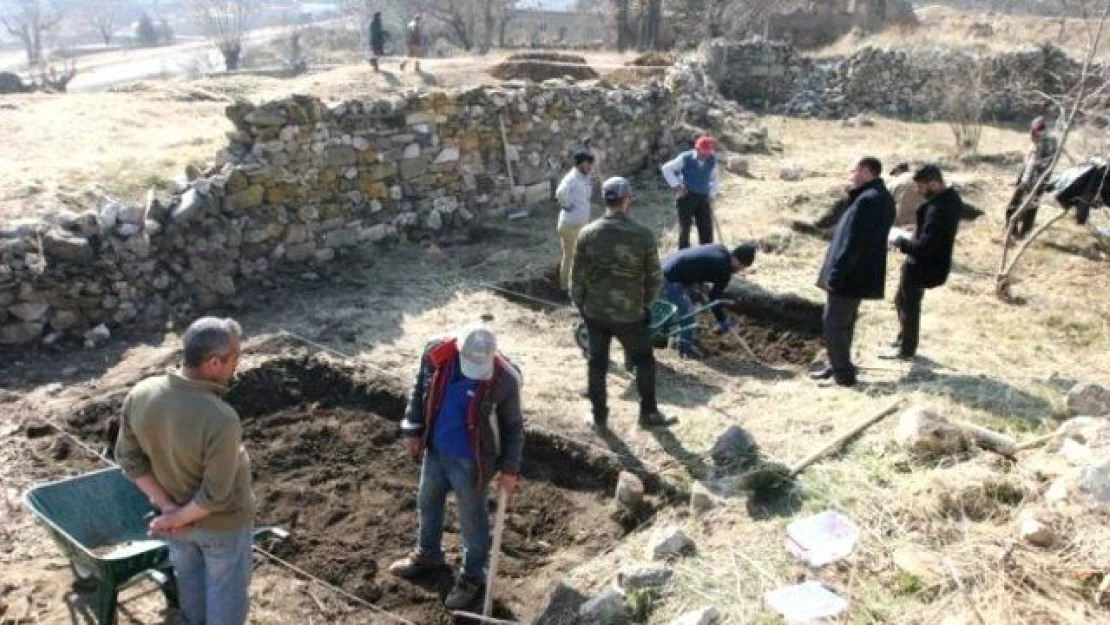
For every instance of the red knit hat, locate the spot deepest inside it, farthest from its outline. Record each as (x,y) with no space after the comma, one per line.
(705,143)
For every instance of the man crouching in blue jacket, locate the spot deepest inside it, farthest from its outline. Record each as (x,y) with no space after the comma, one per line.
(464,416)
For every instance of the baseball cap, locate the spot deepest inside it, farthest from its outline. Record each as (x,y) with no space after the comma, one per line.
(705,143)
(616,188)
(477,346)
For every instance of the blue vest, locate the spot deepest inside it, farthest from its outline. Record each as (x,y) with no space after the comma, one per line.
(697,174)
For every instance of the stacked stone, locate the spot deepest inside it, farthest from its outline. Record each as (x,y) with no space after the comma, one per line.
(303,182)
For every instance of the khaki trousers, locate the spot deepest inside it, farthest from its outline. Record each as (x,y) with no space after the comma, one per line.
(568,235)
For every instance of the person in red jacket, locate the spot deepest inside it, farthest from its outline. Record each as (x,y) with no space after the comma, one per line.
(464,420)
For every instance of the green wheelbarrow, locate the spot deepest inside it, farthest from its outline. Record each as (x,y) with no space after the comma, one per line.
(99,520)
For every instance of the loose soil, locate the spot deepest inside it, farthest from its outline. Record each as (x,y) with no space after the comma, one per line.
(538,67)
(543,293)
(642,70)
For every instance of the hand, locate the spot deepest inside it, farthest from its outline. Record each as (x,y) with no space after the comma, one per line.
(508,481)
(414,446)
(167,525)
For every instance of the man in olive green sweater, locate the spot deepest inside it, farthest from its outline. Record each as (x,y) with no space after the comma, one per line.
(182,445)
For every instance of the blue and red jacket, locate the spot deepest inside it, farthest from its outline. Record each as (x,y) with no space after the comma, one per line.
(494,420)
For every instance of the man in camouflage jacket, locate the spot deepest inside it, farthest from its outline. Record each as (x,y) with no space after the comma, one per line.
(614,280)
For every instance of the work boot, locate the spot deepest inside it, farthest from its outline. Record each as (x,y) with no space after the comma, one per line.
(655,419)
(414,565)
(824,372)
(463,594)
(895,353)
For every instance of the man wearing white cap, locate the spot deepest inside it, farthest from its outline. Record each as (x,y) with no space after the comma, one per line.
(464,418)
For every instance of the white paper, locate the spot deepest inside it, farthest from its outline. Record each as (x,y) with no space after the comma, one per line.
(805,602)
(822,538)
(898,233)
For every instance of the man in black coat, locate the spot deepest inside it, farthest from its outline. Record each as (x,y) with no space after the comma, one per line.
(928,255)
(855,266)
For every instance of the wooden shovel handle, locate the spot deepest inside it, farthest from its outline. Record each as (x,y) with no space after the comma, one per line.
(837,442)
(495,550)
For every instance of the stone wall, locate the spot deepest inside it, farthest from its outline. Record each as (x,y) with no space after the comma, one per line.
(303,183)
(918,84)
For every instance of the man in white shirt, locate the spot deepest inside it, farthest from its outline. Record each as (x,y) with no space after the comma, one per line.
(573,195)
(693,176)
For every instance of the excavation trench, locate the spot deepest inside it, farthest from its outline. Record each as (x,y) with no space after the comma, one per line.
(329,465)
(780,329)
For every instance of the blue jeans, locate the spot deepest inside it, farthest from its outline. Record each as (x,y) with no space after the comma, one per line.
(676,293)
(213,571)
(438,475)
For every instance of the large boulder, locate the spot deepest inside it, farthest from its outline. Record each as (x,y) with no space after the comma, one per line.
(59,245)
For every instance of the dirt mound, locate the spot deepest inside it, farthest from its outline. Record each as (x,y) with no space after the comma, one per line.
(653,66)
(773,343)
(543,293)
(541,66)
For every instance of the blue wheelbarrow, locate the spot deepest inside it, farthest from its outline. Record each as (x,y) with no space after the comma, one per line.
(99,520)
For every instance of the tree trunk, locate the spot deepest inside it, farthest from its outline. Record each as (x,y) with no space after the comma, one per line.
(490,23)
(232,56)
(622,25)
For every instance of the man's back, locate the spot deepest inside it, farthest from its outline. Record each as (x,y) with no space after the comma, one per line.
(906,199)
(190,440)
(616,270)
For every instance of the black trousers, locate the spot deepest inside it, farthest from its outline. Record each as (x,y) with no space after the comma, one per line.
(840,318)
(908,304)
(1028,218)
(636,340)
(694,208)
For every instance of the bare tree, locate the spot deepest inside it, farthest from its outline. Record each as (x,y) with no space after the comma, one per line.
(1071,106)
(30,21)
(226,23)
(105,16)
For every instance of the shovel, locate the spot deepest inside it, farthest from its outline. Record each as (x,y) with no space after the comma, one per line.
(771,479)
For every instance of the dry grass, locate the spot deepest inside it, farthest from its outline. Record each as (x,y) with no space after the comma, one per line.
(950,28)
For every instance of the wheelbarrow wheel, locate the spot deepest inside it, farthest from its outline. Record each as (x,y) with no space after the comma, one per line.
(83,579)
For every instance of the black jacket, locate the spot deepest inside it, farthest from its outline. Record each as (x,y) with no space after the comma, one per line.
(929,252)
(697,265)
(855,264)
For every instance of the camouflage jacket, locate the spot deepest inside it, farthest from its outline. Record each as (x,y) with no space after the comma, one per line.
(616,274)
(1038,159)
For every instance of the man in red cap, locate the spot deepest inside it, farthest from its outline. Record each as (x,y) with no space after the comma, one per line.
(693,176)
(1037,162)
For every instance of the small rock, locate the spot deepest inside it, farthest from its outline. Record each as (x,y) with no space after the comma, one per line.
(1060,490)
(791,172)
(192,203)
(671,542)
(734,449)
(701,500)
(1094,480)
(1075,452)
(1089,399)
(638,578)
(97,335)
(29,311)
(738,165)
(7,397)
(630,489)
(109,214)
(20,333)
(59,245)
(604,609)
(705,616)
(922,430)
(1034,530)
(130,214)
